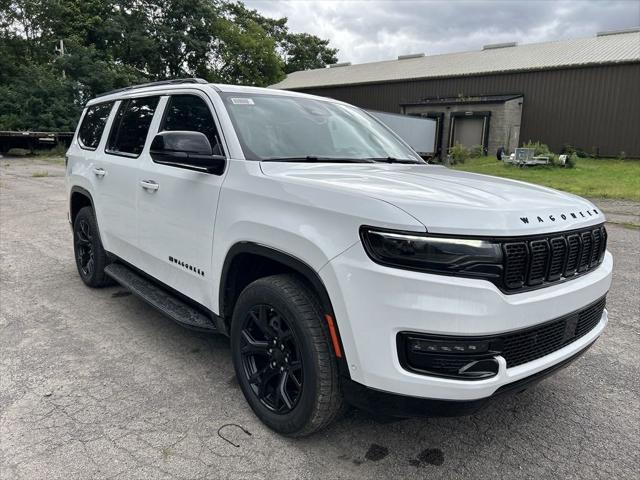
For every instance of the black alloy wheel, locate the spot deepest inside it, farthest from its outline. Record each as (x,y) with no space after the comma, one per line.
(84,248)
(90,256)
(283,357)
(271,359)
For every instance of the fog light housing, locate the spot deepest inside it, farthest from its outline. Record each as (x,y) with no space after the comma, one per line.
(462,358)
(447,346)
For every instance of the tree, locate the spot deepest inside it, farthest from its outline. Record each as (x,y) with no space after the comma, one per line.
(114,43)
(304,51)
(299,51)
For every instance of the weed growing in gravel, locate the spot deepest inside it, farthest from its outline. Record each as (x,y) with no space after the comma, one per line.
(40,173)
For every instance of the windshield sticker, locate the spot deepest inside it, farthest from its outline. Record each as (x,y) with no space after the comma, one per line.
(242,101)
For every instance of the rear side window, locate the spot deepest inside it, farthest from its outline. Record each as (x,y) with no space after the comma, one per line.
(131,125)
(93,125)
(191,113)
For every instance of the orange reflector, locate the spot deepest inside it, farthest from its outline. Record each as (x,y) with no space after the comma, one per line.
(334,335)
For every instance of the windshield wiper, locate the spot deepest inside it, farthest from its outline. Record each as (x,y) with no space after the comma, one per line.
(393,160)
(311,158)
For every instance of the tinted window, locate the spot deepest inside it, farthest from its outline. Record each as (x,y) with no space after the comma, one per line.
(131,125)
(191,113)
(93,124)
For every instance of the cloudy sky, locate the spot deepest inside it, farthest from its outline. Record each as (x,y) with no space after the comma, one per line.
(367,31)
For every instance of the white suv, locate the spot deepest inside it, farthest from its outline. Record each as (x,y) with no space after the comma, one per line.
(344,268)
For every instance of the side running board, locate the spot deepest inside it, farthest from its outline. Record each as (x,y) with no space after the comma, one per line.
(159,298)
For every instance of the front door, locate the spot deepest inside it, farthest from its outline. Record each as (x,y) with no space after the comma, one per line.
(177,207)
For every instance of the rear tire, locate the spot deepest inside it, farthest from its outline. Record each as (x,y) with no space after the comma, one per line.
(283,357)
(90,256)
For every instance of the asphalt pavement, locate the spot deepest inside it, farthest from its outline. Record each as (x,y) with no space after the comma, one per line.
(95,384)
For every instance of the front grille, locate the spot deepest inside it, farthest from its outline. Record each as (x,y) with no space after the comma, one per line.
(536,261)
(527,345)
(517,348)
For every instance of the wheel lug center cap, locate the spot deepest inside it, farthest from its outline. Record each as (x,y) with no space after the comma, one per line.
(277,356)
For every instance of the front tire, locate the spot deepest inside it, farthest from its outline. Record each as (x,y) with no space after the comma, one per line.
(283,358)
(91,257)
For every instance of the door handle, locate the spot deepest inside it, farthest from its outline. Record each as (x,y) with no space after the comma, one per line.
(99,172)
(149,185)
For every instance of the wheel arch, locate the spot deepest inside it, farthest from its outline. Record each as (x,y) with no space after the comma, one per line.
(274,261)
(274,257)
(79,198)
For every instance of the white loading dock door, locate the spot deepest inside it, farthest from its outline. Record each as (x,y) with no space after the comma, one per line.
(418,132)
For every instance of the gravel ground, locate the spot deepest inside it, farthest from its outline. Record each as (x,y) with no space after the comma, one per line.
(620,212)
(94,384)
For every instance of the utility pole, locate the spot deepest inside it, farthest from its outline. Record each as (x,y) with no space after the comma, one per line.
(60,50)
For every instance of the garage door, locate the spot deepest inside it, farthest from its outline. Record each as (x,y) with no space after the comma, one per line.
(468,131)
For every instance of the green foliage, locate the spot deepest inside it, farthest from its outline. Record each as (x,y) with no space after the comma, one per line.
(570,149)
(304,51)
(571,161)
(459,153)
(37,98)
(58,151)
(539,148)
(115,43)
(476,151)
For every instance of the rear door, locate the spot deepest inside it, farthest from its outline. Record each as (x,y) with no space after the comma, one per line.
(85,156)
(117,170)
(176,217)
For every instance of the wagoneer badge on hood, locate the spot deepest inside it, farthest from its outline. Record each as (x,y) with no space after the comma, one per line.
(563,216)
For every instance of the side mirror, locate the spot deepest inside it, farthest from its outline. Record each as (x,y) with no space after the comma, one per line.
(190,150)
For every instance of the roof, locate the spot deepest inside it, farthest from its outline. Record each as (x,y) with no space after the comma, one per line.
(180,85)
(465,100)
(602,49)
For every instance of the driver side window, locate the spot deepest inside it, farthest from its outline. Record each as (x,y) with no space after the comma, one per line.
(191,113)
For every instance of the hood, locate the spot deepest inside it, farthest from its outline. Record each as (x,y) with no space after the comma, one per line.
(450,201)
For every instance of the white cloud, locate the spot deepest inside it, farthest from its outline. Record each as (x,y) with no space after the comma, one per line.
(367,31)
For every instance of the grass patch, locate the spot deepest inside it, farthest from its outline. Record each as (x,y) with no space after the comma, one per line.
(591,177)
(40,174)
(632,225)
(54,160)
(57,151)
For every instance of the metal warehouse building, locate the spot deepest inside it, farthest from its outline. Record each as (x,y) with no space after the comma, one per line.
(583,92)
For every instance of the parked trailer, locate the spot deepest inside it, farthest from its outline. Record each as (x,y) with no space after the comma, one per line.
(32,140)
(418,132)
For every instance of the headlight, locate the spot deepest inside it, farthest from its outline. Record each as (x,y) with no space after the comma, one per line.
(475,258)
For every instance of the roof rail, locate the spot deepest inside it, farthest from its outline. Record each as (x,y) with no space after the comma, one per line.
(338,65)
(175,81)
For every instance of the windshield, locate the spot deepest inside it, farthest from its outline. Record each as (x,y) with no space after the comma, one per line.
(279,127)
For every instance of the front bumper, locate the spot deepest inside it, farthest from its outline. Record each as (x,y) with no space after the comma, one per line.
(373,303)
(393,405)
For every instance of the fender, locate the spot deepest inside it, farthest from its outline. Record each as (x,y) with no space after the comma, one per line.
(295,264)
(84,192)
